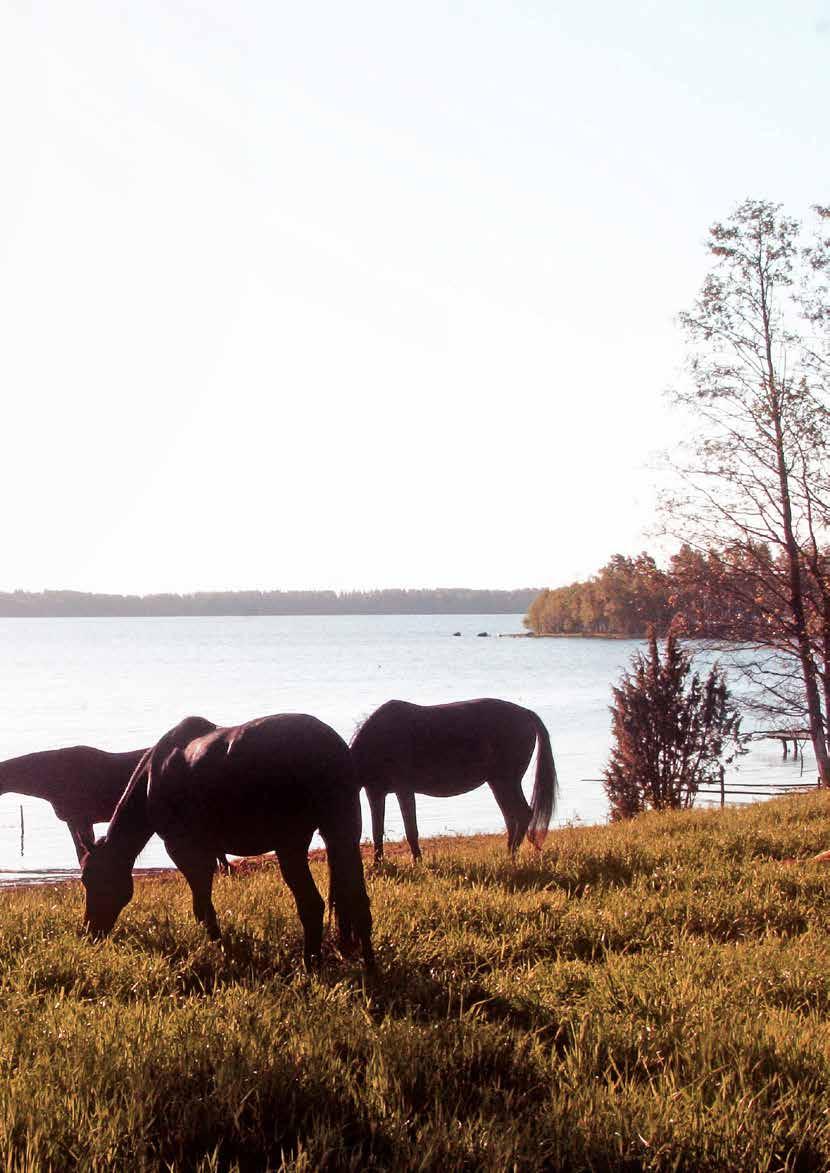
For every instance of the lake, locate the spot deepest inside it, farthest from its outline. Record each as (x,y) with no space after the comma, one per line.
(119,683)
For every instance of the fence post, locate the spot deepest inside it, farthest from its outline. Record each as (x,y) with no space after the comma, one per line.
(722,790)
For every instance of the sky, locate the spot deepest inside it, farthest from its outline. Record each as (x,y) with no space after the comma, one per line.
(344,296)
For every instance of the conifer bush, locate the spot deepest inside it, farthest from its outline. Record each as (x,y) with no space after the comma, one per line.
(673,731)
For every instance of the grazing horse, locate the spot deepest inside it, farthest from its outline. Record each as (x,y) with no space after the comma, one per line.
(445,750)
(267,785)
(83,784)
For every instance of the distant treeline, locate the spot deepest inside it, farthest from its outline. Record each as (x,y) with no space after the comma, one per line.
(447,600)
(723,594)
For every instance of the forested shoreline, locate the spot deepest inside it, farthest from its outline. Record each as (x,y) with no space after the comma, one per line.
(442,600)
(719,594)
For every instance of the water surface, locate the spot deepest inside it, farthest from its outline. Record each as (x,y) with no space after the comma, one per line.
(118,683)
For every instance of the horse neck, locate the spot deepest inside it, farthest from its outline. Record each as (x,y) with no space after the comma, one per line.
(34,774)
(129,828)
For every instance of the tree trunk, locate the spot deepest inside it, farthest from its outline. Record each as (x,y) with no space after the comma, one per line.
(805,651)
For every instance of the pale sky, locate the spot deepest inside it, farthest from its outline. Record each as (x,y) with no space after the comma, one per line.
(350,295)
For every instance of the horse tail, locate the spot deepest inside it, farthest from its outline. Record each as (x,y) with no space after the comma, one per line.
(348,898)
(545,786)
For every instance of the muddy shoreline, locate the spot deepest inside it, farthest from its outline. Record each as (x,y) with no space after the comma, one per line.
(397,851)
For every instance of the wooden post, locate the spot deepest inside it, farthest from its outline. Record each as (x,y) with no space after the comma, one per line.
(722,790)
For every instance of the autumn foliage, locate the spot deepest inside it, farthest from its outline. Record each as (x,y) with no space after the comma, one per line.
(721,594)
(623,598)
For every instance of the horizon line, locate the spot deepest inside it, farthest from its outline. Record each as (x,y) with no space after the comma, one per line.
(336,592)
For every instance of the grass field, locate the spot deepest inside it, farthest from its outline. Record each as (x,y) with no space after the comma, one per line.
(653,995)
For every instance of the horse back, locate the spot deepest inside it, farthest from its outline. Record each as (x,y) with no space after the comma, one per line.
(287,745)
(485,734)
(253,779)
(84,782)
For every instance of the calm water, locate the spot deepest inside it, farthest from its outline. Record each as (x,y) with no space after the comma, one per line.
(120,683)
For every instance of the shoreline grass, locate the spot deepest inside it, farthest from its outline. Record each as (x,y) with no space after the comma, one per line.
(649,995)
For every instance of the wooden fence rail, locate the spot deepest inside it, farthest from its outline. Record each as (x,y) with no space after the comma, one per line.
(748,789)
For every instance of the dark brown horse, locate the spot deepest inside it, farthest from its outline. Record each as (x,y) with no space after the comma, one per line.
(267,785)
(445,750)
(83,784)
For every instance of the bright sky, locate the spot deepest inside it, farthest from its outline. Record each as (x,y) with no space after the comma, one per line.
(367,294)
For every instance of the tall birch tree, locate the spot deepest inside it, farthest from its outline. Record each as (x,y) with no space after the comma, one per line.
(754,476)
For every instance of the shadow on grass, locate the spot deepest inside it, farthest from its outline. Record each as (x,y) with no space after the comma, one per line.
(534,874)
(397,989)
(416,992)
(242,956)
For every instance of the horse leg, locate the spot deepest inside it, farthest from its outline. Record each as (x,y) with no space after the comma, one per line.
(377,807)
(310,906)
(516,810)
(406,801)
(348,898)
(197,865)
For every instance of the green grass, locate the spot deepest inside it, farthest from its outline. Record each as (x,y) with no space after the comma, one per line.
(653,995)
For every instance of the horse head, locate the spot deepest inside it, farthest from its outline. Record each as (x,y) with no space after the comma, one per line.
(108,882)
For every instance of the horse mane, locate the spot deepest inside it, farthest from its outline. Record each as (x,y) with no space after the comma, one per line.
(131,806)
(371,717)
(135,792)
(358,727)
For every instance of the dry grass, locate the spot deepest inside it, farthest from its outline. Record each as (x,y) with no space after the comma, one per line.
(646,996)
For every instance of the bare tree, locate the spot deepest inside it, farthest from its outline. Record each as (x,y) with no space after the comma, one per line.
(755,483)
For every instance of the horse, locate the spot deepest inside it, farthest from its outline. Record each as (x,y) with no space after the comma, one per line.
(450,749)
(83,784)
(266,785)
